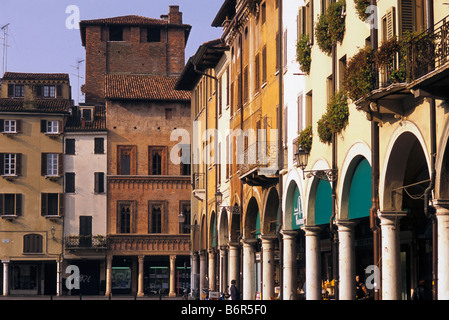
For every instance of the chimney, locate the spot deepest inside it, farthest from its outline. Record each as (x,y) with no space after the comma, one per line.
(164,17)
(174,16)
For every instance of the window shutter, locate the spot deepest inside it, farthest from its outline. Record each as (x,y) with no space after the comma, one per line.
(70,146)
(2,127)
(59,91)
(18,204)
(10,90)
(18,164)
(99,182)
(44,164)
(18,125)
(43,126)
(2,163)
(99,145)
(60,164)
(44,200)
(391,23)
(38,91)
(60,126)
(1,203)
(61,204)
(70,182)
(406,14)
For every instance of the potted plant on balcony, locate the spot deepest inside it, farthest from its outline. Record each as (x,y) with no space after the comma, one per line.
(330,28)
(335,119)
(303,53)
(359,74)
(305,139)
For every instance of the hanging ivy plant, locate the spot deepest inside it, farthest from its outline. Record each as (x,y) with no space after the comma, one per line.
(303,53)
(330,28)
(305,138)
(359,75)
(335,119)
(360,8)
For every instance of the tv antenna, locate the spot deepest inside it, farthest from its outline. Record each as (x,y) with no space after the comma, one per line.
(77,67)
(5,48)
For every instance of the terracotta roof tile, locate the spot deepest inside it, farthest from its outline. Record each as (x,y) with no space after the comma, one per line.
(35,76)
(143,87)
(128,20)
(41,105)
(74,122)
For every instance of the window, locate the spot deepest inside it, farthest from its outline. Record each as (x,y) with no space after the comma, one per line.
(99,145)
(10,126)
(10,204)
(185,159)
(16,90)
(69,182)
(245,85)
(156,216)
(51,126)
(264,64)
(48,91)
(32,243)
(153,34)
(69,146)
(85,231)
(184,208)
(52,204)
(51,164)
(126,160)
(157,161)
(87,114)
(126,211)
(115,33)
(10,164)
(99,182)
(263,12)
(257,73)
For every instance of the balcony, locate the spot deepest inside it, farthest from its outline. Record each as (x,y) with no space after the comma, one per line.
(161,243)
(85,242)
(198,184)
(418,68)
(258,164)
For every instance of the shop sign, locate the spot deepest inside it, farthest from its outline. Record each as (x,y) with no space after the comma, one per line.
(297,213)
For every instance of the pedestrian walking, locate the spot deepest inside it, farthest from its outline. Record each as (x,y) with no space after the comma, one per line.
(235,293)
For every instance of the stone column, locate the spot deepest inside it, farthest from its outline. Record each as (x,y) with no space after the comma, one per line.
(248,269)
(391,265)
(108,274)
(172,292)
(442,214)
(313,266)
(268,267)
(194,271)
(234,264)
(5,277)
(290,268)
(203,266)
(346,259)
(223,268)
(140,292)
(211,273)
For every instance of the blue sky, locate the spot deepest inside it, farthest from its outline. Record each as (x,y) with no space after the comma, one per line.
(39,40)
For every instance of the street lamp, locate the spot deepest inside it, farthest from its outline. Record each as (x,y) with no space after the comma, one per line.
(302,158)
(218,197)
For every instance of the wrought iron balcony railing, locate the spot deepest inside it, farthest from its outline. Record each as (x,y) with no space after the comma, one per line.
(262,155)
(85,242)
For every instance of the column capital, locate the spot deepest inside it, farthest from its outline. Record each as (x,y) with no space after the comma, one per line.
(311,230)
(391,217)
(172,257)
(289,234)
(249,241)
(442,206)
(268,237)
(346,225)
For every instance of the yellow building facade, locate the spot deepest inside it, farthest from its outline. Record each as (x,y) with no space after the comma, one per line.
(33,109)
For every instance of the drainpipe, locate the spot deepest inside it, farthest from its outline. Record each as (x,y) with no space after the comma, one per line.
(433,152)
(281,151)
(375,174)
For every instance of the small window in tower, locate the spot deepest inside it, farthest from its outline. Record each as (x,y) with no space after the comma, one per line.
(115,33)
(153,34)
